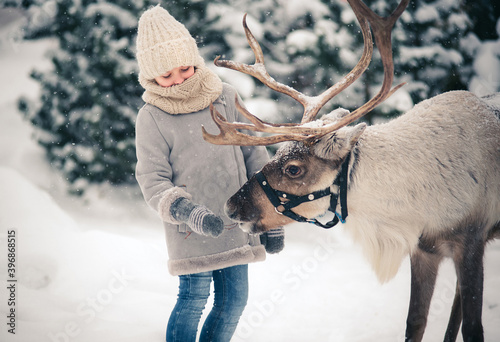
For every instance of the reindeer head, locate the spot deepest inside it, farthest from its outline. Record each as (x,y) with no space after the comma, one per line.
(311,158)
(296,168)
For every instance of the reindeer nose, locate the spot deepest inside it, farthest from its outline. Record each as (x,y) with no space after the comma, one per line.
(240,206)
(229,210)
(233,205)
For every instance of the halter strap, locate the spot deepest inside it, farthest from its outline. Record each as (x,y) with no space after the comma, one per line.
(292,201)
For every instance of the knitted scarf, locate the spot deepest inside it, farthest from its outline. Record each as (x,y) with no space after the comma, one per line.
(192,95)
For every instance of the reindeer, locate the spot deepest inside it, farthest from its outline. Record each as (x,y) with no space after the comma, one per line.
(426,184)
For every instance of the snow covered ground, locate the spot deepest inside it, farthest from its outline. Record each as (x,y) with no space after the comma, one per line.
(93,268)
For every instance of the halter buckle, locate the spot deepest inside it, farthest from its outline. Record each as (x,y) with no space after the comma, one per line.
(280,209)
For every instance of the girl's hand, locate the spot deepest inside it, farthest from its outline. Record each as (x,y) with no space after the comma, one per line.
(199,218)
(273,240)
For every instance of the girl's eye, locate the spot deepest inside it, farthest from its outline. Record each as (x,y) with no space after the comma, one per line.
(293,170)
(167,76)
(185,69)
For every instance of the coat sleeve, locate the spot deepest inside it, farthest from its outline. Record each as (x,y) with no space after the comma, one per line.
(153,169)
(255,156)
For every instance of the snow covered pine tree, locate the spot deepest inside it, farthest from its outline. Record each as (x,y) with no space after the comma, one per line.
(85,115)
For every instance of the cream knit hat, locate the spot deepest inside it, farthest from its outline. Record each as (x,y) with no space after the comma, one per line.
(163,44)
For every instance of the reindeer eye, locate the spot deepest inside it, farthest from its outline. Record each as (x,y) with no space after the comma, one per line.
(293,170)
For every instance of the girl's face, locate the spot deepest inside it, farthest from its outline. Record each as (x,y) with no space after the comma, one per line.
(175,76)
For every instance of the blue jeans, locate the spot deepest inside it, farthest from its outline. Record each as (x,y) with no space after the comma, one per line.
(230,299)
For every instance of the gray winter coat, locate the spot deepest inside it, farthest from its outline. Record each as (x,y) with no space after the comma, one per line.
(174,161)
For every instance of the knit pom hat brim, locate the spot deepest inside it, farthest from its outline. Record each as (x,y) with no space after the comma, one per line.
(168,55)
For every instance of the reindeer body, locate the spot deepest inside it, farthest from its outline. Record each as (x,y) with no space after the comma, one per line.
(426,173)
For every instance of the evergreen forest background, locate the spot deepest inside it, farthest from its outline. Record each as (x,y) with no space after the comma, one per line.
(84,117)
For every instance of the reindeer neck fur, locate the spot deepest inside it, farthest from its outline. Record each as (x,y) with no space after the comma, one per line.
(406,171)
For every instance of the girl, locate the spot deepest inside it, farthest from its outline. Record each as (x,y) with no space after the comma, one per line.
(187,180)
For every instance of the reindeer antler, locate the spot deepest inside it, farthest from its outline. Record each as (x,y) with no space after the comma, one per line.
(382,27)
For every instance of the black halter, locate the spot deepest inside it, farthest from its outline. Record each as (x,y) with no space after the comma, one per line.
(292,201)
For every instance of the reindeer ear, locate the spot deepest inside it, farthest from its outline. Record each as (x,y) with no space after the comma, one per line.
(336,145)
(334,115)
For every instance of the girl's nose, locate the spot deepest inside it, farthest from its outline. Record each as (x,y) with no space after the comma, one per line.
(178,79)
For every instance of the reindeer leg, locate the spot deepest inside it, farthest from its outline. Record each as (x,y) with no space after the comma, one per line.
(455,318)
(470,273)
(424,267)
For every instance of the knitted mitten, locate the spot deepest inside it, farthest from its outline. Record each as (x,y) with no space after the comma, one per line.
(273,240)
(200,219)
